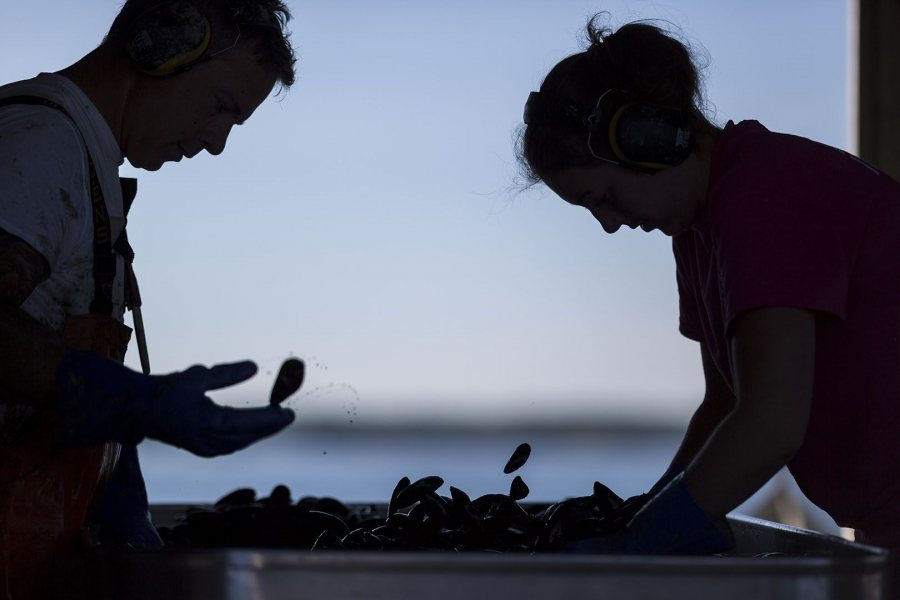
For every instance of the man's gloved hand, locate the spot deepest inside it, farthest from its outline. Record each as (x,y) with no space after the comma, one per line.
(124,515)
(670,523)
(103,401)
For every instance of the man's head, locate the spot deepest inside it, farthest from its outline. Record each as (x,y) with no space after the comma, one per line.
(227,56)
(261,22)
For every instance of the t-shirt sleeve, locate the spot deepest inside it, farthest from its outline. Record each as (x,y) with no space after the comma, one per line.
(782,239)
(42,175)
(688,311)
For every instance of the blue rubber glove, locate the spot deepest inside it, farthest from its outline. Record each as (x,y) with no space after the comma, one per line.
(670,523)
(103,401)
(124,515)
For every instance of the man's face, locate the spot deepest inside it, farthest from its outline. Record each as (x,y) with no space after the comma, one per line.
(167,119)
(617,196)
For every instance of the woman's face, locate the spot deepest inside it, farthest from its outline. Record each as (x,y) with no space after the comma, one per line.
(669,200)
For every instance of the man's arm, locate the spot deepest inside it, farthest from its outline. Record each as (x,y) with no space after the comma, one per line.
(718,402)
(31,354)
(99,400)
(773,360)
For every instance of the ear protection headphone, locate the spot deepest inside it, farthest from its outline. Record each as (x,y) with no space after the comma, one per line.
(168,38)
(638,135)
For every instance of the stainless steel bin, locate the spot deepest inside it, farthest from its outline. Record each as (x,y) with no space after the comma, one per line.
(770,561)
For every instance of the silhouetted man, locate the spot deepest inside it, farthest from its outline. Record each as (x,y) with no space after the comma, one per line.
(170,80)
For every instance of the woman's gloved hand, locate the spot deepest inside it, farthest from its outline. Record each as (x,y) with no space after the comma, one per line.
(670,523)
(673,470)
(124,516)
(103,401)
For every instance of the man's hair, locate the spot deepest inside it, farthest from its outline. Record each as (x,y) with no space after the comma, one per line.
(261,22)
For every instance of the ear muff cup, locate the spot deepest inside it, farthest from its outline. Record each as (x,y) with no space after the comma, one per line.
(650,137)
(168,38)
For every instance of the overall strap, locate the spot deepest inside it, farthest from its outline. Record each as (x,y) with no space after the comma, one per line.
(104,258)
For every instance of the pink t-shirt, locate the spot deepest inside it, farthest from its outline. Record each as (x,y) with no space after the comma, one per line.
(791,222)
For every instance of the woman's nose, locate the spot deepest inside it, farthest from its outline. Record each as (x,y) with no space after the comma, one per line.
(610,221)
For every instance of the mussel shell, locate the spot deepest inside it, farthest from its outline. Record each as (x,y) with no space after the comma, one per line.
(435,506)
(417,518)
(331,505)
(238,496)
(517,489)
(280,496)
(327,541)
(401,485)
(519,457)
(288,381)
(329,522)
(606,499)
(414,491)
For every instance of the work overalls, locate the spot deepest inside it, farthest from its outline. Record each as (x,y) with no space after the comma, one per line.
(47,493)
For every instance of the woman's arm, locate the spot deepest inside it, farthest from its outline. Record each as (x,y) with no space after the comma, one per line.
(773,361)
(718,402)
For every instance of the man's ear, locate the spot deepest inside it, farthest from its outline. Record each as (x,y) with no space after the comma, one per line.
(168,38)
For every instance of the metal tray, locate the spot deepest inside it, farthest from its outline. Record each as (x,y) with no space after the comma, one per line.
(770,561)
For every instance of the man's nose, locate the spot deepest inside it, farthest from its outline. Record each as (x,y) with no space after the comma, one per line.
(216,140)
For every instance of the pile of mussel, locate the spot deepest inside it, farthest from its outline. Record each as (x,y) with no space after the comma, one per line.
(416,518)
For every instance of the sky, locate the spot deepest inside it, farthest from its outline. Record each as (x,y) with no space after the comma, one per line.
(369,220)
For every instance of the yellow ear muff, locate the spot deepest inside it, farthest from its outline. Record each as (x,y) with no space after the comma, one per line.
(617,148)
(613,142)
(182,61)
(168,38)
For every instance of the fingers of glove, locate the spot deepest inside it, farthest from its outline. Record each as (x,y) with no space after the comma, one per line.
(232,429)
(192,377)
(263,421)
(204,379)
(214,378)
(226,375)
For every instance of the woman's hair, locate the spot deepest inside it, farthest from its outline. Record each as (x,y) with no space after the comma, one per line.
(262,22)
(641,59)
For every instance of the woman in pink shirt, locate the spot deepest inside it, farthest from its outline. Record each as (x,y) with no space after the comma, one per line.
(788,270)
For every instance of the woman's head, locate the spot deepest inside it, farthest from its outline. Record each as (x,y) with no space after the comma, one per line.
(646,65)
(639,59)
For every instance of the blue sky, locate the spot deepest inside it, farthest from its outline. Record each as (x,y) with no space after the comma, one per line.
(368,220)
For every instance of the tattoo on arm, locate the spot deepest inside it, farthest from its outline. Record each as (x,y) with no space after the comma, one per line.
(22,268)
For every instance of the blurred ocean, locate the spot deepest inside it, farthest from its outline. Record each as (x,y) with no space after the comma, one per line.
(357,464)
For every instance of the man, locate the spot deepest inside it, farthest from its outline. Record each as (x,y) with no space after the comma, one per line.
(170,79)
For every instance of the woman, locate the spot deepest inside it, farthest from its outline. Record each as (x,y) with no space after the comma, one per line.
(788,268)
